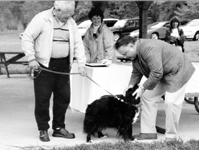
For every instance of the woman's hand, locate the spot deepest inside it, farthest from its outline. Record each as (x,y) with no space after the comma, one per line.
(106,61)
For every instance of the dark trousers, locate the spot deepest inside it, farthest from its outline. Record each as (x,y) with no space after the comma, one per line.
(47,84)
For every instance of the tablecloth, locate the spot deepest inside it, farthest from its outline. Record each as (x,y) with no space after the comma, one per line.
(114,79)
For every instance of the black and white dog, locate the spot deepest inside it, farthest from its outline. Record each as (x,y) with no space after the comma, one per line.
(109,112)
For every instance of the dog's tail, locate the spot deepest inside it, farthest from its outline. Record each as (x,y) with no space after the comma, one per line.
(87,123)
(160,130)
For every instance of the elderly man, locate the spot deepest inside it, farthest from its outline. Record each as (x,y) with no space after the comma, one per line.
(167,71)
(51,41)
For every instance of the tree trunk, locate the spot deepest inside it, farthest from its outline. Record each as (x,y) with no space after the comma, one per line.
(143,10)
(100,4)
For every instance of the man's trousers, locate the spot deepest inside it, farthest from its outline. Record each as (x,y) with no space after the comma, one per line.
(173,107)
(46,84)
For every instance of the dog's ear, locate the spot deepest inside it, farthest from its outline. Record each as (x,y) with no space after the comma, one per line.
(135,87)
(129,98)
(130,91)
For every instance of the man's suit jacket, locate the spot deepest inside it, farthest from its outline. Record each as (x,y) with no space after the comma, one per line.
(161,62)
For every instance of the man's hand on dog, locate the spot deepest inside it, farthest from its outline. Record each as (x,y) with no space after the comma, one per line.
(139,92)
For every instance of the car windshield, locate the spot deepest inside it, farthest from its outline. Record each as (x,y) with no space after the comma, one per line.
(85,24)
(156,25)
(120,23)
(193,23)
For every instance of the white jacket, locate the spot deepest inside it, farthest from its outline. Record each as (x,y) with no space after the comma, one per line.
(38,36)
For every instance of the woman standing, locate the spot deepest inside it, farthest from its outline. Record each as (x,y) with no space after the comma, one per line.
(99,40)
(175,35)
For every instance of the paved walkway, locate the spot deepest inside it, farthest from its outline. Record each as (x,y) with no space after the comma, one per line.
(19,130)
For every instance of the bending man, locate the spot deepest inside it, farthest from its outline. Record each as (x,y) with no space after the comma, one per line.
(167,71)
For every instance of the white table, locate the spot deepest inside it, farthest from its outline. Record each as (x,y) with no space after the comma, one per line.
(114,79)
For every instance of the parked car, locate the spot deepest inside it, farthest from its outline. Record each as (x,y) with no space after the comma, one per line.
(125,26)
(191,29)
(184,22)
(156,30)
(83,26)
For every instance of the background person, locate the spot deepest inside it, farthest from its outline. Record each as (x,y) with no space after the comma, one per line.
(167,71)
(99,40)
(51,40)
(175,35)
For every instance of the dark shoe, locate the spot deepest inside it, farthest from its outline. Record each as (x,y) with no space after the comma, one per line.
(146,136)
(44,136)
(61,132)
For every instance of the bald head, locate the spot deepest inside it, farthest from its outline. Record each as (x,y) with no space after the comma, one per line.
(64,5)
(64,9)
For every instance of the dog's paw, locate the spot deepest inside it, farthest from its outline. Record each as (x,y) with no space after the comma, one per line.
(132,139)
(90,142)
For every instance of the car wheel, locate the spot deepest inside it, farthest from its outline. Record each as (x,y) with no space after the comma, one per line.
(189,100)
(196,36)
(154,36)
(196,104)
(116,36)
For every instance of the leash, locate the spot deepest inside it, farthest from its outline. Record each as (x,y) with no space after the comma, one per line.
(56,72)
(102,88)
(31,75)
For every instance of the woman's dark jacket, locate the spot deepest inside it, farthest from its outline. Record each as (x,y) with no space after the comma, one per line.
(173,40)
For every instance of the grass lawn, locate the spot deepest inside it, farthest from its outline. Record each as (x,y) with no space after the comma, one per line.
(121,145)
(10,42)
(192,50)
